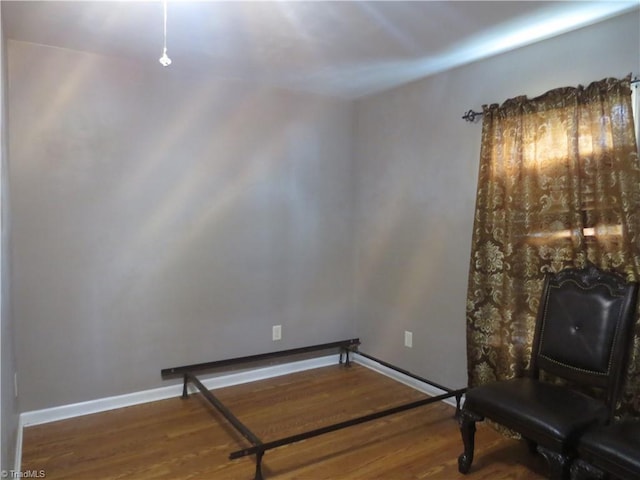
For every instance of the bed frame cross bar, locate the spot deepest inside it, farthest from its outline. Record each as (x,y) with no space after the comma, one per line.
(338,426)
(213,400)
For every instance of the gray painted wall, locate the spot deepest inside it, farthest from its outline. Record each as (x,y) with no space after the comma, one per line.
(8,403)
(415,177)
(162,220)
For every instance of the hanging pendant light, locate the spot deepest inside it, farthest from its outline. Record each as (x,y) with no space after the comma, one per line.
(164,60)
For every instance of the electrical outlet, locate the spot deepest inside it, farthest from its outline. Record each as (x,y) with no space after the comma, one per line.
(276,332)
(408,339)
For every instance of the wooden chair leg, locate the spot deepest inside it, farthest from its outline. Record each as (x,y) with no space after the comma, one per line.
(468,430)
(558,464)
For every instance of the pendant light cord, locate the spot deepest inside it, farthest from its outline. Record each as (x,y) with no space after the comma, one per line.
(164,60)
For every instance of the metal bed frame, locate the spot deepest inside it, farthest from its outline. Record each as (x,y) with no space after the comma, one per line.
(258,447)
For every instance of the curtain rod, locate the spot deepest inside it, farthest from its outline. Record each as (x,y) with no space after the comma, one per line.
(470,116)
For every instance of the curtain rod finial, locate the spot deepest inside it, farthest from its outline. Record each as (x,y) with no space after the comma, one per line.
(470,116)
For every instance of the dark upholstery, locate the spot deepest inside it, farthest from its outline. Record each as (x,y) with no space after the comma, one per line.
(522,404)
(581,337)
(574,322)
(613,449)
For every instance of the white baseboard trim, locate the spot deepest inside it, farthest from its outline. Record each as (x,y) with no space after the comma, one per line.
(404,379)
(17,462)
(53,414)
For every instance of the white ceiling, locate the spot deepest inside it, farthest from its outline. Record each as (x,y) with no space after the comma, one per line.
(346,49)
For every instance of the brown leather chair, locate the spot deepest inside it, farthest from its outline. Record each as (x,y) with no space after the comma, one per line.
(609,450)
(582,336)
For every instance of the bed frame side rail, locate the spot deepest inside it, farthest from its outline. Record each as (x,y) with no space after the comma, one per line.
(344,345)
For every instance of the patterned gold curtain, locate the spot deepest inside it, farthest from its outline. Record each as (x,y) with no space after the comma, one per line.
(559,185)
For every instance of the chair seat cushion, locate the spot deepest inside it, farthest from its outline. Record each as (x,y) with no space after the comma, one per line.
(548,414)
(615,447)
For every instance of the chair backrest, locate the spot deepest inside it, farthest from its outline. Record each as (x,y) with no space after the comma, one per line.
(583,328)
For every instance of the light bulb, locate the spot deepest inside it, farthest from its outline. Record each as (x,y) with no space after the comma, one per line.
(164,60)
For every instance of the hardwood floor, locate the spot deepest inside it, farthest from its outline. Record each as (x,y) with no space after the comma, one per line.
(187,439)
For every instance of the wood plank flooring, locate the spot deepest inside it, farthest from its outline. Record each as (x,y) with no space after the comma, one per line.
(187,439)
